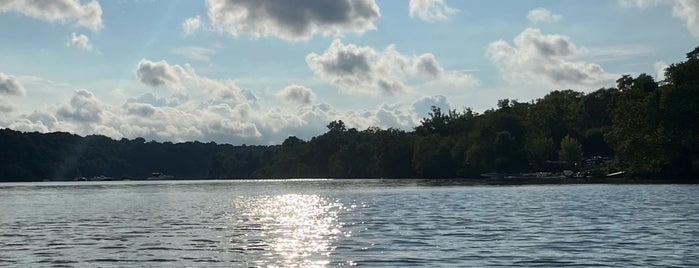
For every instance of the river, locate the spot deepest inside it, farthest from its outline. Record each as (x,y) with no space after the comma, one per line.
(327,223)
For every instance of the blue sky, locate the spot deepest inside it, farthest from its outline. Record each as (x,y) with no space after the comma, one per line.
(258,71)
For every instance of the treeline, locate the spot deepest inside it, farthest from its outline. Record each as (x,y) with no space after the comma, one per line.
(64,156)
(646,127)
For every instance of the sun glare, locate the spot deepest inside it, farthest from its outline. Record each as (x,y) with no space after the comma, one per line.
(294,230)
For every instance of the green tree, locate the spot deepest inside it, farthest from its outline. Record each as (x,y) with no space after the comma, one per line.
(571,151)
(539,149)
(640,143)
(336,126)
(509,156)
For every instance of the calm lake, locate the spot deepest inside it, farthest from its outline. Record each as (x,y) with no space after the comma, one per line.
(326,223)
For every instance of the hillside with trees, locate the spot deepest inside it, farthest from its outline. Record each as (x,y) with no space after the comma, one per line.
(644,127)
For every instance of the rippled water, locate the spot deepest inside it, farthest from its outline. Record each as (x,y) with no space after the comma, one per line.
(325,223)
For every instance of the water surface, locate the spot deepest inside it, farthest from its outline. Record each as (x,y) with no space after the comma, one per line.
(326,223)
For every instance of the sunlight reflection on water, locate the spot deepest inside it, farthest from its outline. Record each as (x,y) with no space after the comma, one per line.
(298,228)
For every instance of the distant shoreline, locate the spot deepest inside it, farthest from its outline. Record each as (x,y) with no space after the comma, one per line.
(441,181)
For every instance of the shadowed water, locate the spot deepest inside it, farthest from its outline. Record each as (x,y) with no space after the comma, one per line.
(325,223)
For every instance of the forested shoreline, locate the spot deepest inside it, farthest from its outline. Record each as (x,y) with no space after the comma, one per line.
(644,127)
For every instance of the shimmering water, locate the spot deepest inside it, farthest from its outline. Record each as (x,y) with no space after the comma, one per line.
(325,223)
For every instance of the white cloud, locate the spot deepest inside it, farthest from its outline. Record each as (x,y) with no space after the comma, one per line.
(184,80)
(537,58)
(87,15)
(297,94)
(205,117)
(364,70)
(430,10)
(686,10)
(357,69)
(80,41)
(426,65)
(423,106)
(541,14)
(84,114)
(83,107)
(5,106)
(10,85)
(292,20)
(27,125)
(191,25)
(196,53)
(161,74)
(660,68)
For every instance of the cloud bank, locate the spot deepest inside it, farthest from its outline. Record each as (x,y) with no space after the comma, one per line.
(185,117)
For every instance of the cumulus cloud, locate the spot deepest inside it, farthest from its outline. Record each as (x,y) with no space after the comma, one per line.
(423,106)
(394,116)
(426,65)
(80,41)
(10,85)
(221,123)
(686,10)
(292,20)
(541,14)
(161,74)
(184,80)
(297,94)
(27,125)
(537,58)
(196,53)
(361,69)
(430,10)
(87,15)
(191,25)
(364,70)
(83,107)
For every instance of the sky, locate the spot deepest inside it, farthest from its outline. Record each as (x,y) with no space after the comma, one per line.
(258,71)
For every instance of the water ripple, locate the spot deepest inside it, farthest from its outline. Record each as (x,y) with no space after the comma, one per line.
(325,223)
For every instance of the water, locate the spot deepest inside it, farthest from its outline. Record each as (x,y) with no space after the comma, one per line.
(326,223)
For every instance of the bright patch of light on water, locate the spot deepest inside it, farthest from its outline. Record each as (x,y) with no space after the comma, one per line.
(299,228)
